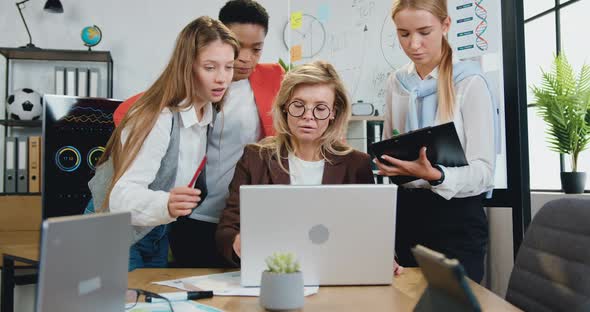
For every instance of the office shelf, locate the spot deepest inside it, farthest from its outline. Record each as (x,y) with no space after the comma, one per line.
(21,123)
(56,55)
(367,118)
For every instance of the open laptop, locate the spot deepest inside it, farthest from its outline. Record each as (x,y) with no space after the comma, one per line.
(341,234)
(83,263)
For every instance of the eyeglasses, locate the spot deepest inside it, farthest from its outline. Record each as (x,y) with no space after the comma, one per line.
(297,109)
(133,295)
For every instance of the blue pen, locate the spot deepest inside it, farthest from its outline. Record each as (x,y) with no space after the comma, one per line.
(182,296)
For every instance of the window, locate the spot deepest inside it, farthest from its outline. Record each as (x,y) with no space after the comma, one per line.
(534,7)
(539,54)
(577,49)
(543,38)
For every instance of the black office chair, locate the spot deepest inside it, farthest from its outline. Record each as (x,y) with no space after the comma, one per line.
(552,268)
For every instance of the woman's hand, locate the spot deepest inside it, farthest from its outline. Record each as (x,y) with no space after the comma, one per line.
(397,269)
(237,246)
(182,201)
(420,168)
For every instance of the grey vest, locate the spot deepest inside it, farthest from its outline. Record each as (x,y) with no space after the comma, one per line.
(164,181)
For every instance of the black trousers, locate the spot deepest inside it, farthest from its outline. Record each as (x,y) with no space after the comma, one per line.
(193,244)
(457,227)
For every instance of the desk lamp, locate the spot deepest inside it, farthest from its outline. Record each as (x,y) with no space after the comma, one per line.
(53,6)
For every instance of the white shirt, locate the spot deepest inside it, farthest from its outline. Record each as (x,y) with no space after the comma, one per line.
(131,193)
(473,117)
(304,172)
(235,126)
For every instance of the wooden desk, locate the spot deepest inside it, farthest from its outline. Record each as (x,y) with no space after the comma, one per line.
(22,250)
(401,296)
(24,244)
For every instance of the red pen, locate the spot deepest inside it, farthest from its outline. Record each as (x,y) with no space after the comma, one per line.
(198,172)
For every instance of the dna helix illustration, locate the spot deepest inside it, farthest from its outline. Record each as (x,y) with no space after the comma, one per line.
(480,12)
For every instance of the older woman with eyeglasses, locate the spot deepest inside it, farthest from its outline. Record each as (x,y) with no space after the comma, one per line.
(310,116)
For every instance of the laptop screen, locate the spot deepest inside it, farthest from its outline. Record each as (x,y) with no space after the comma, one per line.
(83,263)
(75,132)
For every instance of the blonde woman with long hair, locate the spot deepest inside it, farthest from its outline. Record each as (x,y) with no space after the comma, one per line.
(443,209)
(245,119)
(310,116)
(160,143)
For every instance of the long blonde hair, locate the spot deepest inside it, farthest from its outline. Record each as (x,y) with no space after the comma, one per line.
(446,90)
(315,73)
(176,83)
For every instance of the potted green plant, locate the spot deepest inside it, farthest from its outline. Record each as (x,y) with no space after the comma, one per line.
(281,287)
(563,101)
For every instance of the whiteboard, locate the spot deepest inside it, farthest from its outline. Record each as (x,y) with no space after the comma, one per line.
(358,37)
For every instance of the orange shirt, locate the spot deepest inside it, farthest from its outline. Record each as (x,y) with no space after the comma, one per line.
(265,82)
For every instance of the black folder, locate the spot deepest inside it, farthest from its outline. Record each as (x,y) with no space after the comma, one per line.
(442,143)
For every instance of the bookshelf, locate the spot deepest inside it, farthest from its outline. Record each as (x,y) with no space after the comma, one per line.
(20,212)
(13,54)
(363,131)
(21,123)
(38,69)
(367,118)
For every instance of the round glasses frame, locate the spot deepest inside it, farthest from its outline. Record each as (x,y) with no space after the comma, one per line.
(298,109)
(133,294)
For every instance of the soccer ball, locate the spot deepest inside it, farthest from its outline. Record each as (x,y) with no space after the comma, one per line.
(25,104)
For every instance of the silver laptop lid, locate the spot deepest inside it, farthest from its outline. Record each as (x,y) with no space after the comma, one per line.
(341,234)
(83,263)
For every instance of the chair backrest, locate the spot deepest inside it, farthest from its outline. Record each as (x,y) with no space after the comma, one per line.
(552,268)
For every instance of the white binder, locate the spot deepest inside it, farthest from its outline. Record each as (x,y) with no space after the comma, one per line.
(22,182)
(60,81)
(93,82)
(71,81)
(82,82)
(10,166)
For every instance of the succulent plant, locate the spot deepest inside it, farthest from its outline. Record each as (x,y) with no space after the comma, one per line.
(282,263)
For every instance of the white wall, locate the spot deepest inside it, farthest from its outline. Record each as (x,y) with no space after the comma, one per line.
(500,259)
(140,34)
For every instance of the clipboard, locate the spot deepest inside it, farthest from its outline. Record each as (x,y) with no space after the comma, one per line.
(442,143)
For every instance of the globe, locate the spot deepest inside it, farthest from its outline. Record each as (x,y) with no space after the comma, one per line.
(91,35)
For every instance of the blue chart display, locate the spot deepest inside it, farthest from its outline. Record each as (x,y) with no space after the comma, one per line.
(75,132)
(67,158)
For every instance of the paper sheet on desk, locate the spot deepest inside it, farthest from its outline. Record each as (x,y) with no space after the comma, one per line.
(179,306)
(223,284)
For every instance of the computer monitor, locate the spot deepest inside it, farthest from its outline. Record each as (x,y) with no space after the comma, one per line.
(75,132)
(341,234)
(83,263)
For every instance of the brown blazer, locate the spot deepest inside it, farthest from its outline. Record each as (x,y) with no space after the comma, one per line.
(255,169)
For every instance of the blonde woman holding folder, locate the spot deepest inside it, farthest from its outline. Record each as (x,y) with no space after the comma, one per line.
(443,209)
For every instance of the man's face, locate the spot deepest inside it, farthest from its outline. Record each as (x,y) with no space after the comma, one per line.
(251,38)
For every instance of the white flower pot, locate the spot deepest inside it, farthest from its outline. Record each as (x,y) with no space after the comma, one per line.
(281,291)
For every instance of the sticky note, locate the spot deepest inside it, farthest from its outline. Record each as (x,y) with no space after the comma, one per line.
(296,20)
(323,12)
(295,53)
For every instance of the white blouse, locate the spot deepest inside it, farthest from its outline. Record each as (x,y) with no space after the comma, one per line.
(131,193)
(473,117)
(304,172)
(237,125)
